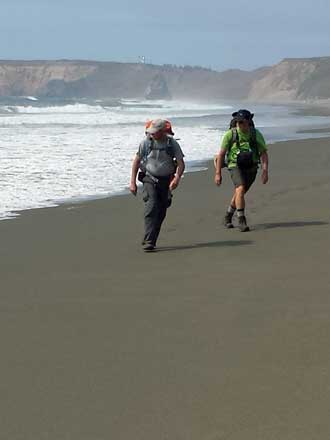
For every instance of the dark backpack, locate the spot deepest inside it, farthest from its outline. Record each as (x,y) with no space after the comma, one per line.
(244,158)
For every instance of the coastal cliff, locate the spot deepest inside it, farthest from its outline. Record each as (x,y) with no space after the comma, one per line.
(294,80)
(290,80)
(68,79)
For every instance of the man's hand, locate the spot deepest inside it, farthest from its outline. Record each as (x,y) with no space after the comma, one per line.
(174,183)
(264,176)
(218,179)
(133,188)
(264,164)
(135,170)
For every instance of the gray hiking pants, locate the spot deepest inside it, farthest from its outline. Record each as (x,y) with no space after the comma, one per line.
(155,197)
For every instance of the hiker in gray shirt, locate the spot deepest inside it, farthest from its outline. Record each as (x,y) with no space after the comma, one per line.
(161,164)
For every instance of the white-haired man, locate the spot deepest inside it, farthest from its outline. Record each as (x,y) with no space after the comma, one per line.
(160,160)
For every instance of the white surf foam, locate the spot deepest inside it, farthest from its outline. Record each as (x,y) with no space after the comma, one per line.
(42,167)
(96,115)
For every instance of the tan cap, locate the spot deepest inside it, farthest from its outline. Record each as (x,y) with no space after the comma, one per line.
(157,125)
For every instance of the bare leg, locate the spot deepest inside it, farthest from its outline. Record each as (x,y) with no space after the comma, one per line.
(239,197)
(240,205)
(233,200)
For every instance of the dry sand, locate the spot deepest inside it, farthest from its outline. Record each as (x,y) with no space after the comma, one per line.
(218,336)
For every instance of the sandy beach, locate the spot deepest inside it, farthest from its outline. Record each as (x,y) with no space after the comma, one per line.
(217,336)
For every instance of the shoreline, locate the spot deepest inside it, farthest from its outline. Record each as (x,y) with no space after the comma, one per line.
(195,166)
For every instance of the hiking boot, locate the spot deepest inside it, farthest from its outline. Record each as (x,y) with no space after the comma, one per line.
(242,226)
(148,247)
(228,220)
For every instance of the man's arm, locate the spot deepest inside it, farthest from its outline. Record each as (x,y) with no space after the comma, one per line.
(135,169)
(263,156)
(221,157)
(178,174)
(264,167)
(219,164)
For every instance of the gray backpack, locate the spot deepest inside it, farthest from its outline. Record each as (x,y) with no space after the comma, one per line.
(158,161)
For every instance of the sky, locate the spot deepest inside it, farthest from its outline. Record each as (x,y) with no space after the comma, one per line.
(216,34)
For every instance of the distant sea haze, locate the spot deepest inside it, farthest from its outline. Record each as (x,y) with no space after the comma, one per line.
(55,151)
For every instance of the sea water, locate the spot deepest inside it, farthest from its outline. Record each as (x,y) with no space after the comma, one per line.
(54,151)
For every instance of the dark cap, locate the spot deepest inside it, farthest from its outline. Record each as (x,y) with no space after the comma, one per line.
(242,115)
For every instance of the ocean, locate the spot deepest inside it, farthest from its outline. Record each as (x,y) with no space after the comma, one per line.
(56,151)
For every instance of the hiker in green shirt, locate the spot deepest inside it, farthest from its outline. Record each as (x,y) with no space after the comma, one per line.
(243,147)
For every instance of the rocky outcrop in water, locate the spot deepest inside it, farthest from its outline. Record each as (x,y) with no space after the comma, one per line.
(158,88)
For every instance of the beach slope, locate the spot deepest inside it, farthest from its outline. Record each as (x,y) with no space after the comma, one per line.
(218,335)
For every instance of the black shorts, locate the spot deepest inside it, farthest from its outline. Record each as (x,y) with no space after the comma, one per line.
(243,177)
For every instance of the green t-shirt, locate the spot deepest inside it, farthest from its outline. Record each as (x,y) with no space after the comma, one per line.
(244,139)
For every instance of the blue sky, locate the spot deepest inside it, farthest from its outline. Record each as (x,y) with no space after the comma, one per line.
(218,34)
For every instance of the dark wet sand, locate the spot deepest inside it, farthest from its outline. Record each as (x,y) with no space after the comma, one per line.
(218,336)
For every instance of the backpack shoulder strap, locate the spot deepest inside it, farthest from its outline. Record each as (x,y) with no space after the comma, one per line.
(253,140)
(170,147)
(148,145)
(254,143)
(234,138)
